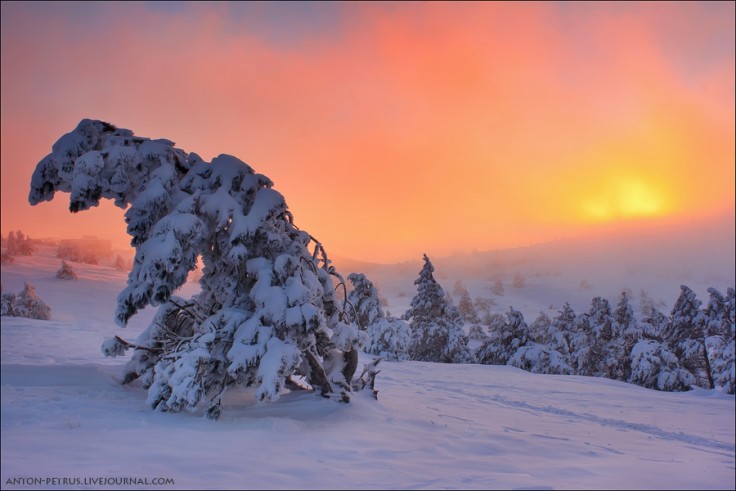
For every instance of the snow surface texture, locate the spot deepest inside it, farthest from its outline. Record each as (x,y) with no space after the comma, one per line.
(434,426)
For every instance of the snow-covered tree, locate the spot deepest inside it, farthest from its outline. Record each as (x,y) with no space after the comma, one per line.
(66,272)
(503,343)
(267,313)
(654,366)
(477,332)
(483,308)
(686,336)
(7,305)
(539,330)
(365,302)
(518,281)
(592,340)
(458,289)
(26,304)
(436,325)
(626,334)
(538,358)
(623,316)
(390,338)
(498,288)
(721,339)
(653,326)
(23,245)
(564,334)
(466,308)
(646,304)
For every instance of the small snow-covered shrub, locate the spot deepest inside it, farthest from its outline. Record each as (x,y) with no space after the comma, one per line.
(25,304)
(66,272)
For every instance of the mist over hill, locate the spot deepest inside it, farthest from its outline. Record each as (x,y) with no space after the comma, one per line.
(649,256)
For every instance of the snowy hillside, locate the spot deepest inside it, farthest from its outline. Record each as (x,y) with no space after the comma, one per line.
(434,426)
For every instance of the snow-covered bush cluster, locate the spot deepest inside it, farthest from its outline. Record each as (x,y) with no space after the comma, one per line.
(25,304)
(17,244)
(693,346)
(66,272)
(267,316)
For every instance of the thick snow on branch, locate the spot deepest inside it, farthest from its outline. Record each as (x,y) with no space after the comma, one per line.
(267,309)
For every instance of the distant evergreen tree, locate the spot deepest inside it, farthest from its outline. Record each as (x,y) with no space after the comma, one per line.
(12,248)
(646,304)
(686,335)
(436,325)
(23,245)
(498,288)
(466,309)
(458,289)
(483,308)
(518,281)
(66,272)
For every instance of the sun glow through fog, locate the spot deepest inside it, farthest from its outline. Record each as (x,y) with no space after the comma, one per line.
(392,128)
(626,197)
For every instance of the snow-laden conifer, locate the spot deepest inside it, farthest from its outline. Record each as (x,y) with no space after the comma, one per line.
(436,324)
(364,300)
(654,366)
(721,339)
(466,308)
(686,336)
(387,337)
(66,272)
(267,314)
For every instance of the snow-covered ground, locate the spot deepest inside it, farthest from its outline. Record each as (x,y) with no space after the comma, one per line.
(434,426)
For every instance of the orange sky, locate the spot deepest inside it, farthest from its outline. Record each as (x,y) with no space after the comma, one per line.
(392,129)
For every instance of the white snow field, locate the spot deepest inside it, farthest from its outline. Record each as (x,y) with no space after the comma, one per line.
(68,423)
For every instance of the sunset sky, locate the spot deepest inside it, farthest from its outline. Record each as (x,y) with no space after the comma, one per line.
(392,129)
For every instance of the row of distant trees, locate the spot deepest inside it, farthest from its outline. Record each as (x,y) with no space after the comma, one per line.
(17,244)
(692,346)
